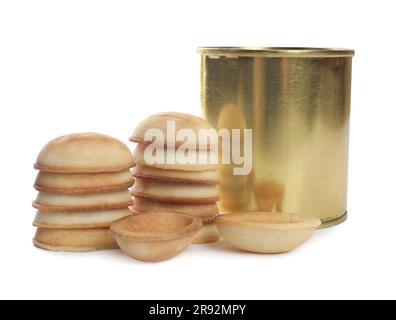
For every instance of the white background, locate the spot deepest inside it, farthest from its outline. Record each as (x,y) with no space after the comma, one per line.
(70,66)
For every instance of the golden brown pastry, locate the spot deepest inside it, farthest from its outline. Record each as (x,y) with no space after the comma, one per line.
(192,164)
(203,211)
(198,177)
(207,234)
(74,240)
(175,193)
(84,153)
(87,219)
(80,183)
(56,202)
(265,232)
(155,237)
(181,120)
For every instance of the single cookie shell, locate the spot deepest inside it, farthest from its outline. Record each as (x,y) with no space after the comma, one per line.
(155,237)
(179,121)
(74,240)
(90,219)
(203,211)
(84,153)
(175,193)
(56,202)
(198,177)
(157,157)
(266,232)
(82,183)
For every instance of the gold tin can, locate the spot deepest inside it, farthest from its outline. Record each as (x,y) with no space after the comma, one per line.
(297,103)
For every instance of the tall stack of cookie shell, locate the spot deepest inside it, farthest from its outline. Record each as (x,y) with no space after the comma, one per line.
(169,186)
(83,186)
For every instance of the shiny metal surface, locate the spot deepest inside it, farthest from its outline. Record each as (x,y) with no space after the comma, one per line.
(276,52)
(297,101)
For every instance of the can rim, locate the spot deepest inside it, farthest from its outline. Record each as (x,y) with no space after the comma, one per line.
(296,52)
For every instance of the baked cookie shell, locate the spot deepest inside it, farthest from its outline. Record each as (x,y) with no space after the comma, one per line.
(74,240)
(191,165)
(198,177)
(175,193)
(156,227)
(90,219)
(266,232)
(55,202)
(182,121)
(83,183)
(84,153)
(203,211)
(155,237)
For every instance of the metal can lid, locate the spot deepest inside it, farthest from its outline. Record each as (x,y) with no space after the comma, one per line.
(275,52)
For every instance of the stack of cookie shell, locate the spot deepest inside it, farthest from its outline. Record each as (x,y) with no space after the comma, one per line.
(189,188)
(83,185)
